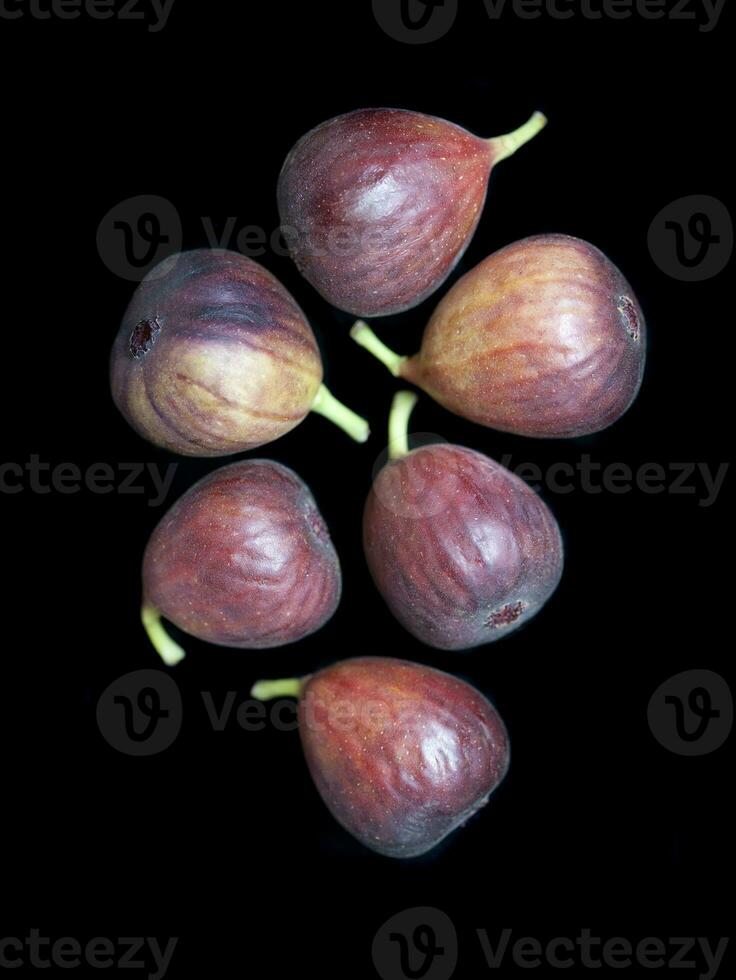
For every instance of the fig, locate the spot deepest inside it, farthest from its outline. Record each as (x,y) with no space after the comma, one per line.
(461,549)
(215,357)
(543,338)
(242,559)
(378,205)
(401,754)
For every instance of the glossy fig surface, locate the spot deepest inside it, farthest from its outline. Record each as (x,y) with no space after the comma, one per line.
(544,338)
(461,549)
(378,205)
(401,754)
(243,559)
(215,357)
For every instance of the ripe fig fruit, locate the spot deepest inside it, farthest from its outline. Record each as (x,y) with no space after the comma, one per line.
(543,338)
(378,205)
(461,549)
(214,357)
(401,754)
(243,559)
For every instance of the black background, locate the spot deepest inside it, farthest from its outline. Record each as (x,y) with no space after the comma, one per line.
(222,839)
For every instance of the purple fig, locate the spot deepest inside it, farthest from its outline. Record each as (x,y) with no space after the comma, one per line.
(243,559)
(378,205)
(214,357)
(461,549)
(544,338)
(401,754)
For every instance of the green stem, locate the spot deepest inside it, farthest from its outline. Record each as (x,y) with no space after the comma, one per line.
(287,687)
(398,423)
(363,335)
(326,404)
(169,651)
(505,146)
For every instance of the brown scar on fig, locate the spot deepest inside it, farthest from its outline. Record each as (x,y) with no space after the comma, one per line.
(316,524)
(506,615)
(144,336)
(629,316)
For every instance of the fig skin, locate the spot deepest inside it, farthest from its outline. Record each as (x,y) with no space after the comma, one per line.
(544,338)
(214,357)
(243,559)
(378,205)
(401,754)
(461,549)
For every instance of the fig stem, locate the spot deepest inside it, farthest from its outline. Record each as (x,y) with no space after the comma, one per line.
(362,334)
(505,146)
(169,651)
(398,423)
(287,687)
(326,404)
